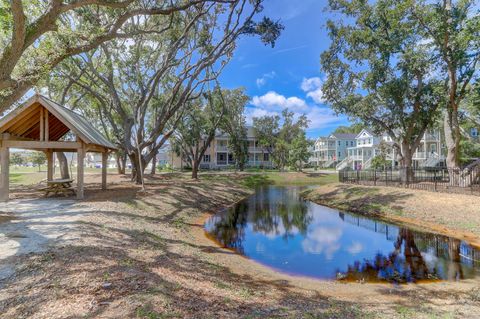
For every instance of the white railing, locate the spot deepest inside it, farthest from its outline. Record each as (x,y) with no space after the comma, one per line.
(433,160)
(368,163)
(420,155)
(431,137)
(356,157)
(329,163)
(343,164)
(222,148)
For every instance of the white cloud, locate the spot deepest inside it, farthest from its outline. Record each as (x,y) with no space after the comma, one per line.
(263,80)
(313,88)
(323,240)
(321,117)
(355,248)
(250,113)
(272,103)
(273,100)
(311,84)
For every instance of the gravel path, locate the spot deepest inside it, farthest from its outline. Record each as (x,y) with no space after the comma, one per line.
(34,225)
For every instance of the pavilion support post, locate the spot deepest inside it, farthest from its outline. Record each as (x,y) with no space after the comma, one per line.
(4,178)
(49,165)
(104,170)
(80,172)
(42,126)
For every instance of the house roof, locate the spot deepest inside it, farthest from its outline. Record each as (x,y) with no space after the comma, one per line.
(25,122)
(250,133)
(344,136)
(364,131)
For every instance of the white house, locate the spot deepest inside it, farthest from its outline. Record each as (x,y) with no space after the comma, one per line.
(328,151)
(428,154)
(219,155)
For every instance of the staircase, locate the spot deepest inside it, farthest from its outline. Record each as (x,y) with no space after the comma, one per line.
(343,164)
(328,163)
(367,164)
(433,160)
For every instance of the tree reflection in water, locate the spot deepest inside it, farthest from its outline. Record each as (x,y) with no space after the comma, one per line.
(268,212)
(275,227)
(406,263)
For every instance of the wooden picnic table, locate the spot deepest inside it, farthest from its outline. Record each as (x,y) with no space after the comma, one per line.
(60,186)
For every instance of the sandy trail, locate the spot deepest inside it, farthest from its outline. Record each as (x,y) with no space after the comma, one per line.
(35,225)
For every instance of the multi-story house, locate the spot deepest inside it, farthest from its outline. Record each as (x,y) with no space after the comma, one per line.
(328,151)
(428,154)
(218,155)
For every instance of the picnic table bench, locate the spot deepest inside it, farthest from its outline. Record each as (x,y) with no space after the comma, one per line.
(60,186)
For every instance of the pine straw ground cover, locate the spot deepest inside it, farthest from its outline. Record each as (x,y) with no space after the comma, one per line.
(142,255)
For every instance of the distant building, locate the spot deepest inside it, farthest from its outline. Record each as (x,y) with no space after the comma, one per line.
(428,154)
(219,156)
(328,151)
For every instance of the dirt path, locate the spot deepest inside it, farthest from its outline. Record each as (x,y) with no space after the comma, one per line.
(36,225)
(144,255)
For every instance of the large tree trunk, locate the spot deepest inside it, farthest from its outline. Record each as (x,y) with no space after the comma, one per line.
(154,165)
(121,162)
(137,169)
(452,139)
(406,161)
(195,165)
(62,160)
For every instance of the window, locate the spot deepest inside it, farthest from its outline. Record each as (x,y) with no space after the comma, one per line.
(351,143)
(339,143)
(474,132)
(206,158)
(266,157)
(339,154)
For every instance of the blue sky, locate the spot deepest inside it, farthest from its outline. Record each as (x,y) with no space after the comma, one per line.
(289,74)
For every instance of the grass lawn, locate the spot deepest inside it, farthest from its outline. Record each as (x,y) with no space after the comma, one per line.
(21,175)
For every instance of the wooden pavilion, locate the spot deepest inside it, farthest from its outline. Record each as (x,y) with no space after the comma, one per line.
(42,125)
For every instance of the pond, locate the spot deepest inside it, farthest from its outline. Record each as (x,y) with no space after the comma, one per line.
(278,229)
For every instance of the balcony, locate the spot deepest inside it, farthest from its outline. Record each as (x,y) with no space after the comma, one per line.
(356,157)
(253,149)
(431,137)
(221,148)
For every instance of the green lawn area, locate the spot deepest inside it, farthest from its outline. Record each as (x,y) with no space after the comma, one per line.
(290,178)
(253,178)
(21,175)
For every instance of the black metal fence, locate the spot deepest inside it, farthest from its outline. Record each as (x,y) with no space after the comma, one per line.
(430,179)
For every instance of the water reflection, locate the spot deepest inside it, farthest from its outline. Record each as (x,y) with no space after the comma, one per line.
(278,229)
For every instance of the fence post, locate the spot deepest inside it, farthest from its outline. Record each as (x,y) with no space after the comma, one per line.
(358,176)
(435,180)
(386,178)
(375,177)
(409,171)
(471,180)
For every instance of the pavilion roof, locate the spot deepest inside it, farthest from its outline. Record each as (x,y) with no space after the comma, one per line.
(24,122)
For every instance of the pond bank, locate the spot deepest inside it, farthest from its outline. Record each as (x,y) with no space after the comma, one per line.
(453,215)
